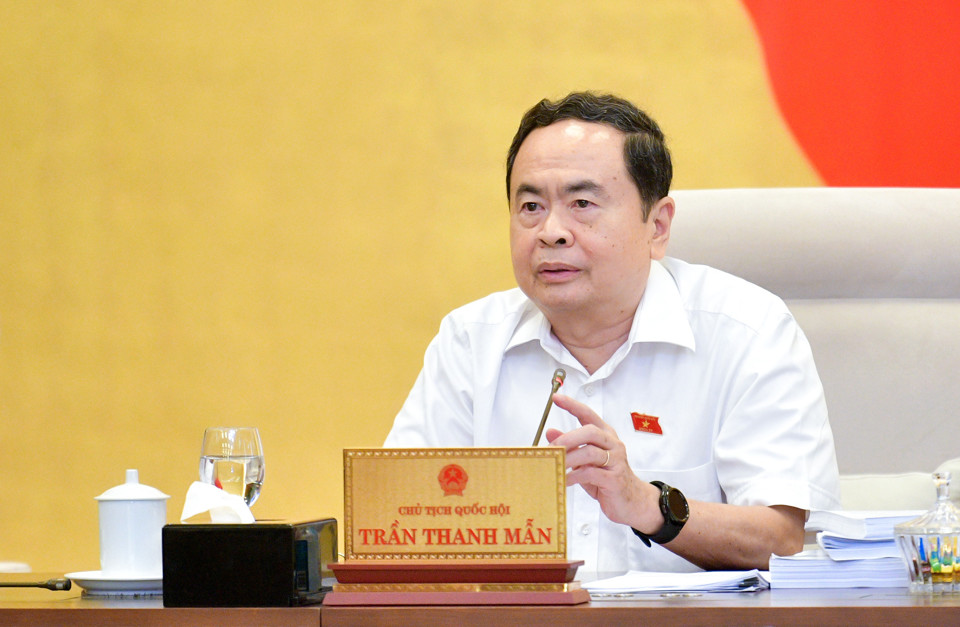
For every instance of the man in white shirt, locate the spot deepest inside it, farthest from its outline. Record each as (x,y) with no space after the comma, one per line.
(692,413)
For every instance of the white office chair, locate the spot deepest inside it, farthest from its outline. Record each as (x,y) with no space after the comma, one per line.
(873,277)
(904,490)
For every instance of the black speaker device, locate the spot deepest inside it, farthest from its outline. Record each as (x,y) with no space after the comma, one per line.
(262,564)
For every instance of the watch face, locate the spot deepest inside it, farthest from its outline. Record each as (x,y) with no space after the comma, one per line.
(678,505)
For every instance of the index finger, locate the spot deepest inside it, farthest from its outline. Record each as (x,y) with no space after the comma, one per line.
(580,411)
(601,435)
(593,430)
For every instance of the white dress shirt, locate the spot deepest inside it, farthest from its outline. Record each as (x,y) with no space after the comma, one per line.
(719,361)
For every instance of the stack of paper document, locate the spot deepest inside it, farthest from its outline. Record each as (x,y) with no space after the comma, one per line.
(856,549)
(860,523)
(814,569)
(844,549)
(640,582)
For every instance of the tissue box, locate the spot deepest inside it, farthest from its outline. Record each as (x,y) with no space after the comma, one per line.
(255,565)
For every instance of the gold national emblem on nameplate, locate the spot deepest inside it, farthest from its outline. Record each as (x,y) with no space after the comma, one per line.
(453,479)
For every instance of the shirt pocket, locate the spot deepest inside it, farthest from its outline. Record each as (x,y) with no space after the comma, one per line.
(698,483)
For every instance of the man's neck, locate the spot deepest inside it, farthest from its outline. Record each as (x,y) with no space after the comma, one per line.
(590,344)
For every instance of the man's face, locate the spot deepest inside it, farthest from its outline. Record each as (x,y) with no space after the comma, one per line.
(577,236)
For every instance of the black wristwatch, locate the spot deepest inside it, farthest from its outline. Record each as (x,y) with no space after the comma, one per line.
(675,510)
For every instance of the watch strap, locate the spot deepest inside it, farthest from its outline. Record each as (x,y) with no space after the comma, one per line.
(670,528)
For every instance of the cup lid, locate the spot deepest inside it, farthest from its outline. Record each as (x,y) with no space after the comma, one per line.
(943,518)
(132,490)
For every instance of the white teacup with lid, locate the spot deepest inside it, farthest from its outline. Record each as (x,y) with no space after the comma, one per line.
(132,516)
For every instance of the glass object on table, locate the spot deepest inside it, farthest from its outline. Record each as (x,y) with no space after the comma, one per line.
(929,544)
(231,458)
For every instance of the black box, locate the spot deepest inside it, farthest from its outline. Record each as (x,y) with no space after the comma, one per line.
(262,564)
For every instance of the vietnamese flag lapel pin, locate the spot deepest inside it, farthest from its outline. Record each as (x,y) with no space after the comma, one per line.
(645,423)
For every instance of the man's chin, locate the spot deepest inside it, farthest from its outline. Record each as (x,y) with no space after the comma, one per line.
(557,299)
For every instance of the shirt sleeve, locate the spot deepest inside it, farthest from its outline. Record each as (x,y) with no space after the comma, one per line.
(775,446)
(439,409)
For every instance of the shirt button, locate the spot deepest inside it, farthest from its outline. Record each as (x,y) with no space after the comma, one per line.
(585,529)
(588,390)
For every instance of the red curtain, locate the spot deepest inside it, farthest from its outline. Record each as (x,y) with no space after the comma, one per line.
(870,89)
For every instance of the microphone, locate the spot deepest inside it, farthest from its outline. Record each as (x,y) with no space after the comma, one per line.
(50,584)
(558,376)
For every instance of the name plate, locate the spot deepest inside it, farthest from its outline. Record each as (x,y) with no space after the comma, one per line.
(455,503)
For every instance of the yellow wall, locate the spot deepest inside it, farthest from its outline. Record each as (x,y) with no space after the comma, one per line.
(257,212)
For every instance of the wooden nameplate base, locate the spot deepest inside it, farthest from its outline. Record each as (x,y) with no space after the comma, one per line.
(456,582)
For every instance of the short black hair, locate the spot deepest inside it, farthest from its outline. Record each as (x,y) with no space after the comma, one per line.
(645,151)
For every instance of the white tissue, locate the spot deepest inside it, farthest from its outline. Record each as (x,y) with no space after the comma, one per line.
(223,507)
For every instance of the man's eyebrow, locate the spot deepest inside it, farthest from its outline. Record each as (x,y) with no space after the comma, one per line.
(575,187)
(584,186)
(527,188)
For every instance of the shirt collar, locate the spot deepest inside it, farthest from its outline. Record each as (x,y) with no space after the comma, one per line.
(661,317)
(533,325)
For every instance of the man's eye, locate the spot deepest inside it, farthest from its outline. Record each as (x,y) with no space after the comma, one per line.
(583,204)
(529,206)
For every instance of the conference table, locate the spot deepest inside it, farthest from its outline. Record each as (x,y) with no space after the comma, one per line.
(858,606)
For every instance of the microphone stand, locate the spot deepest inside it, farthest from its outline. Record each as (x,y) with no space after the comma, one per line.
(49,584)
(558,376)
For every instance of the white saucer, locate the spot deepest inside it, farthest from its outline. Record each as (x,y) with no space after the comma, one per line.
(96,582)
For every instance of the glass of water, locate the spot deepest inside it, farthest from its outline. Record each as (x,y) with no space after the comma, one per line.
(231,458)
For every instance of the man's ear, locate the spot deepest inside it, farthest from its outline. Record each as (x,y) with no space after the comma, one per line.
(661,216)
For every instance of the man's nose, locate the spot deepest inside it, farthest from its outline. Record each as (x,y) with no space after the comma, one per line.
(556,231)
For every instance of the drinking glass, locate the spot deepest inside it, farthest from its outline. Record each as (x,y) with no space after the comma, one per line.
(231,458)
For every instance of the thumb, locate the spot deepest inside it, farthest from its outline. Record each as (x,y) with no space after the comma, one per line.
(553,434)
